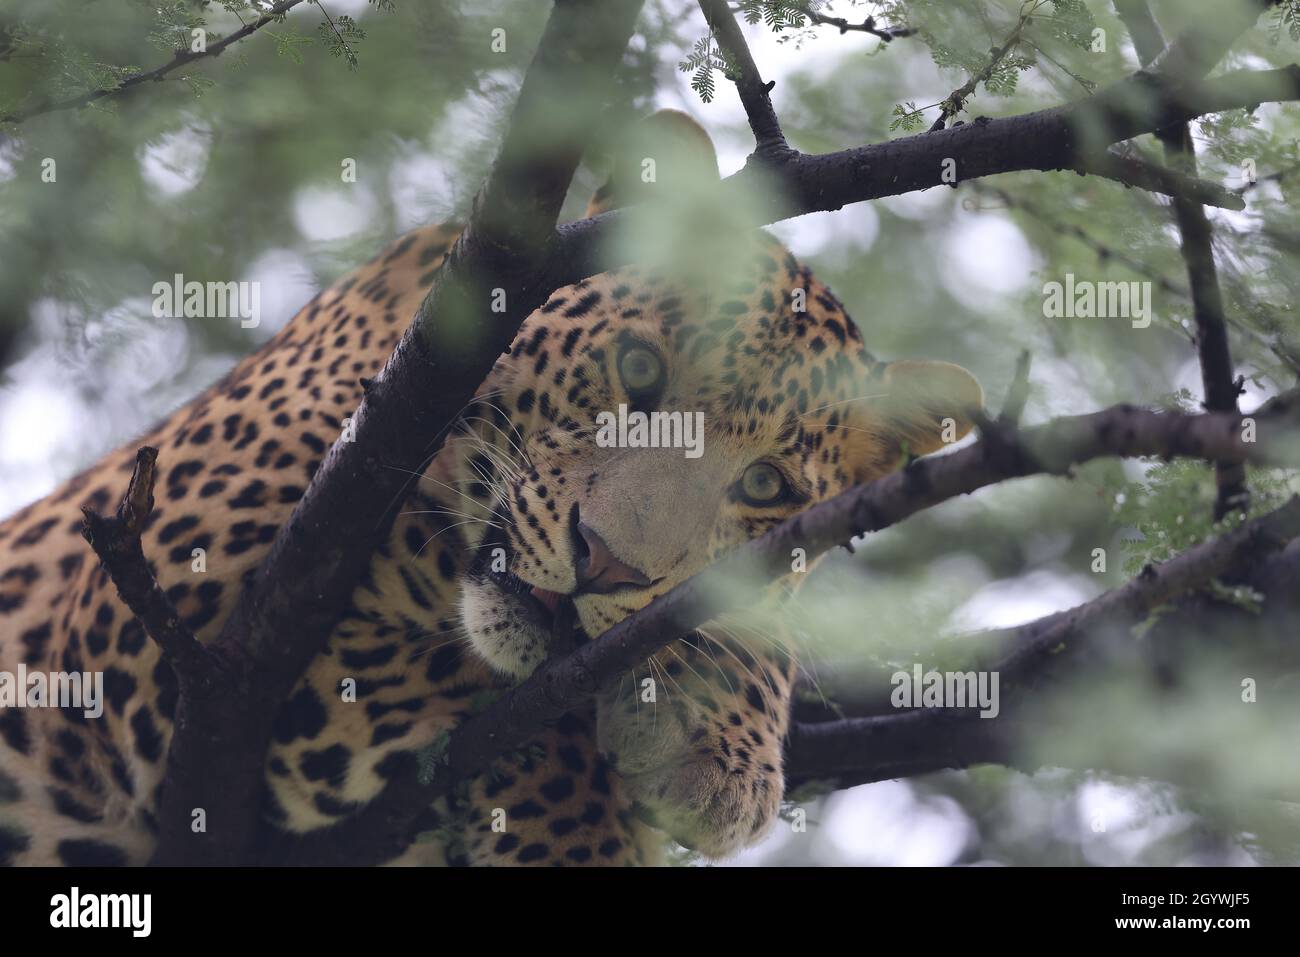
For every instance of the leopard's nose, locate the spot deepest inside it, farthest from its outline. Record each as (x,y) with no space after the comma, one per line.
(597,569)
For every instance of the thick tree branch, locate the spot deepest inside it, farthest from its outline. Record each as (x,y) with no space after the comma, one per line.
(303,586)
(383,827)
(1154,585)
(1197,247)
(1200,613)
(180,59)
(206,763)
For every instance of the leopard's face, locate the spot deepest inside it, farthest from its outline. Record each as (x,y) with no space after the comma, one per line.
(778,408)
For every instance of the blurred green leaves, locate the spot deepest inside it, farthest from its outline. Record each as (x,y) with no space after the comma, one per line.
(1286,17)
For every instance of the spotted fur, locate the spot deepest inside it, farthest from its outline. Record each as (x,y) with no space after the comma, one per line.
(435,628)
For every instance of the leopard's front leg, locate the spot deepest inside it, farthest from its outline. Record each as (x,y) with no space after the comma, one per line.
(698,738)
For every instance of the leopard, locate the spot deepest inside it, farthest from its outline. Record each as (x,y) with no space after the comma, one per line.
(520,515)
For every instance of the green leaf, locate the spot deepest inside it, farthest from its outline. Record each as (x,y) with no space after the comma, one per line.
(907,117)
(289,44)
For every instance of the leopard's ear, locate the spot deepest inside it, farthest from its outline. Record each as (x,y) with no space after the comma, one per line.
(666,151)
(919,407)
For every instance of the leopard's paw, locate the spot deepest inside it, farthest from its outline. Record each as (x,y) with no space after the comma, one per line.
(708,806)
(712,786)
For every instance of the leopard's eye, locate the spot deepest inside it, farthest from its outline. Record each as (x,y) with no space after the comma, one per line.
(762,484)
(640,369)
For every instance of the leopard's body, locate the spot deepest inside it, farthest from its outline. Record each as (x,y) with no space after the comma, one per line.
(435,627)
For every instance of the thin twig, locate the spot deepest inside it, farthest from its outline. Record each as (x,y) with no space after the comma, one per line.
(1135,171)
(350,55)
(1105,252)
(180,59)
(956,100)
(116,540)
(886,34)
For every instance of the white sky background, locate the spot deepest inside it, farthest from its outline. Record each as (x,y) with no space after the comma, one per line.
(48,429)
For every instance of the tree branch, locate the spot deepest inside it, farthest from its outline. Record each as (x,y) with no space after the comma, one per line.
(178,60)
(116,540)
(1135,171)
(1155,585)
(769,140)
(886,34)
(1217,377)
(1275,577)
(1195,52)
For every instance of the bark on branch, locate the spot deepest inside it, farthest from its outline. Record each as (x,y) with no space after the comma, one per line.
(769,140)
(116,540)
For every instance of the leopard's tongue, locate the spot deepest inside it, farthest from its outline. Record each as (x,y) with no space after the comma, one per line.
(551,599)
